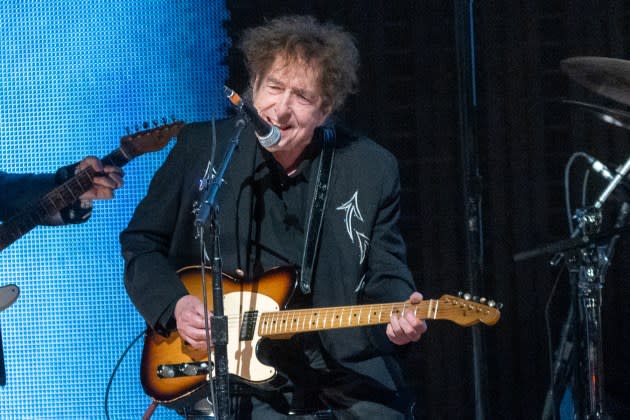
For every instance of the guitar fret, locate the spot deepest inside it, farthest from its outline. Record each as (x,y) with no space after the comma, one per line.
(285,319)
(432,309)
(118,157)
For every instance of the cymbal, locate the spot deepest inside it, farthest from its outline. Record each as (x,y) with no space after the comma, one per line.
(609,77)
(608,115)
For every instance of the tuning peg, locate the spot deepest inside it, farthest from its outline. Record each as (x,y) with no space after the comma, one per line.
(483,300)
(475,298)
(155,123)
(145,125)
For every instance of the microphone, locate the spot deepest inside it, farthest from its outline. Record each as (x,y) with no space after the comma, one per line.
(601,168)
(614,182)
(268,135)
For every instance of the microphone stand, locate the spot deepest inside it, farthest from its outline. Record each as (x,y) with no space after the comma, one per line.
(206,208)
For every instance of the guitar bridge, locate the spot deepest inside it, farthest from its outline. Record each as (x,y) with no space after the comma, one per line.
(184,369)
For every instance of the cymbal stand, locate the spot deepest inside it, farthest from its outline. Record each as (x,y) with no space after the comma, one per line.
(588,265)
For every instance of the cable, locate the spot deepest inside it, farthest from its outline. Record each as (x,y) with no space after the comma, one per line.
(111,377)
(550,341)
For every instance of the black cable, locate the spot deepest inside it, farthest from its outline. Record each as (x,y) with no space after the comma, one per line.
(111,378)
(550,348)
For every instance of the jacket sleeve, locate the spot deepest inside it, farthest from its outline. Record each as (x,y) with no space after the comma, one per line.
(387,277)
(18,191)
(150,277)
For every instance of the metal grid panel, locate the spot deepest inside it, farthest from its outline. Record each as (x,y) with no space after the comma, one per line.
(73,75)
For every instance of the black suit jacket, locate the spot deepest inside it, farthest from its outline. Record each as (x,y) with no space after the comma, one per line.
(361,256)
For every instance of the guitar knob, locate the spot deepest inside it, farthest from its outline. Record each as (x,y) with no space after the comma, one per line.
(467,296)
(492,303)
(483,300)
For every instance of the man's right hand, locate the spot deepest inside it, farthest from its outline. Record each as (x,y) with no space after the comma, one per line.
(190,322)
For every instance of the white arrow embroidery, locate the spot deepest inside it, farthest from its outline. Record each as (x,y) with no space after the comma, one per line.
(364,242)
(351,208)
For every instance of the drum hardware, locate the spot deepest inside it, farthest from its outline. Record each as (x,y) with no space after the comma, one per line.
(608,115)
(608,77)
(587,254)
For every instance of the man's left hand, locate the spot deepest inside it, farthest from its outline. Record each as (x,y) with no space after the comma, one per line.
(406,328)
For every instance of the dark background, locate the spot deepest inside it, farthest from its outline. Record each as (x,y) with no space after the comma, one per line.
(457,89)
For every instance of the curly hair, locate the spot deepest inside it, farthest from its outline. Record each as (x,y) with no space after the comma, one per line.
(303,38)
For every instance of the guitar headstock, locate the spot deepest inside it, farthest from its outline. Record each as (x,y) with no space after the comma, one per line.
(466,310)
(150,139)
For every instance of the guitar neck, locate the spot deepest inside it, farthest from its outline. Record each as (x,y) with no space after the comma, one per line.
(290,322)
(57,199)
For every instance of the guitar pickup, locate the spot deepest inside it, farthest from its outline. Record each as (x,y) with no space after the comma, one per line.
(183,369)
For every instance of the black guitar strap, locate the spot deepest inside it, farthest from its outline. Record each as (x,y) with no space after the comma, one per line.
(318,205)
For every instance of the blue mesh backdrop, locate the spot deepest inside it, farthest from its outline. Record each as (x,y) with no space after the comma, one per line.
(74,74)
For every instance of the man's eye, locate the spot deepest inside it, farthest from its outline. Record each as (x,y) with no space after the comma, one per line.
(304,99)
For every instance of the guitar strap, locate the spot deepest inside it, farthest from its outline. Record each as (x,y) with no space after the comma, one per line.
(318,205)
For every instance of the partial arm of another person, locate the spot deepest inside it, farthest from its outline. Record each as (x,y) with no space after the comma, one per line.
(18,191)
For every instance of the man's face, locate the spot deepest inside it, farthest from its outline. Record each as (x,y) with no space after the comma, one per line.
(288,97)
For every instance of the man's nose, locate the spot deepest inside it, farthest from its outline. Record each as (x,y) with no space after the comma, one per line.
(283,106)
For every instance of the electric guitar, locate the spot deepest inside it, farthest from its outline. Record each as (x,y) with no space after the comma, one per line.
(171,370)
(131,146)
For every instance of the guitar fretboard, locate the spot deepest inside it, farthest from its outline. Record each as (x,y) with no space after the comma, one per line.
(318,319)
